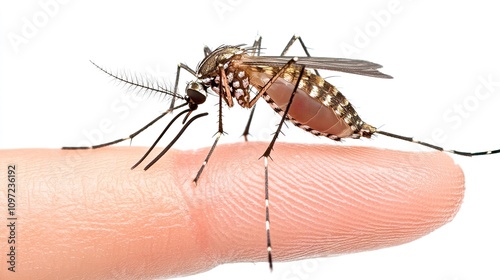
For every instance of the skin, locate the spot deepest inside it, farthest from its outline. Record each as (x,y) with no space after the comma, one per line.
(86,215)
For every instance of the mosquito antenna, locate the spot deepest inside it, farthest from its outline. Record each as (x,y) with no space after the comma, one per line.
(410,139)
(136,83)
(174,140)
(159,137)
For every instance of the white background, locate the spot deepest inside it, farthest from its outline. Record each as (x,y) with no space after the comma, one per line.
(438,53)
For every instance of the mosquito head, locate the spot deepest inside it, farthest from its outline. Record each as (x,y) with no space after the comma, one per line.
(196,92)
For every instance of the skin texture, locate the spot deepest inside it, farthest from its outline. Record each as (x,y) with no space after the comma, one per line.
(86,215)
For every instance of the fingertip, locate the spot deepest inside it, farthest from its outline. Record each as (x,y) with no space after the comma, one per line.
(325,199)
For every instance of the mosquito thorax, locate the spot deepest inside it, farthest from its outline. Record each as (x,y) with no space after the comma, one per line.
(236,80)
(222,55)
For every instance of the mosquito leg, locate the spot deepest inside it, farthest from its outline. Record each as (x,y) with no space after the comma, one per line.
(410,139)
(271,81)
(256,47)
(255,51)
(224,90)
(289,45)
(268,221)
(266,155)
(246,132)
(291,42)
(177,76)
(130,137)
(219,133)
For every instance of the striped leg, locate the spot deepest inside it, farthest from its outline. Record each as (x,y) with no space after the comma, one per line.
(410,139)
(256,51)
(256,47)
(266,155)
(224,92)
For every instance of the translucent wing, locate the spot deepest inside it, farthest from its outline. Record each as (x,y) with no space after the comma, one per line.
(353,66)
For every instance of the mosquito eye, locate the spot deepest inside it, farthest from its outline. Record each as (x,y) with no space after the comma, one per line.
(196,92)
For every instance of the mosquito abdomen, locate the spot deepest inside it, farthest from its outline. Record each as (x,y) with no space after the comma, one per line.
(318,107)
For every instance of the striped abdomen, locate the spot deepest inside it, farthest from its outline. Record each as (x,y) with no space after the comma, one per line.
(318,107)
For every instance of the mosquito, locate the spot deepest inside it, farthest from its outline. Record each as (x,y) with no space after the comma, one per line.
(292,87)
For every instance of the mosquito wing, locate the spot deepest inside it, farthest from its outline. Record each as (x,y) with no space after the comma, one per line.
(353,66)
